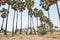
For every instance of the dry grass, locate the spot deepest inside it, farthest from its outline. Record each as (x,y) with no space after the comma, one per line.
(54,35)
(49,36)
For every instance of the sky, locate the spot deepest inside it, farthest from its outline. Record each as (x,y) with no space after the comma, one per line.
(53,16)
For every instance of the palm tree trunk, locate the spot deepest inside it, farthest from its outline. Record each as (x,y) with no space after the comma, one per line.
(13,24)
(5,32)
(37,23)
(28,24)
(2,25)
(58,10)
(21,24)
(48,14)
(33,26)
(16,21)
(49,18)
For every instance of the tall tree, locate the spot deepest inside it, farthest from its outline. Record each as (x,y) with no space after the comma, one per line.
(46,4)
(30,14)
(16,22)
(38,13)
(17,2)
(53,2)
(14,7)
(5,11)
(9,2)
(51,26)
(44,20)
(3,16)
(21,7)
(42,29)
(29,5)
(35,14)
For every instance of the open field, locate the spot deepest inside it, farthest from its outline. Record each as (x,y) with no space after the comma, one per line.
(54,36)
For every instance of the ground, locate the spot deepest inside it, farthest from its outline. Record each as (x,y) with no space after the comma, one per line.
(30,37)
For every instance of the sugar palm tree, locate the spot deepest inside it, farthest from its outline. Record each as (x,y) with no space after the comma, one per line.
(17,2)
(30,14)
(29,5)
(53,2)
(13,24)
(5,12)
(38,13)
(45,20)
(45,4)
(3,16)
(33,23)
(42,29)
(14,6)
(9,2)
(51,26)
(21,7)
(35,14)
(16,22)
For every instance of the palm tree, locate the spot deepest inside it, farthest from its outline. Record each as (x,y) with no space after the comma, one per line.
(30,14)
(51,26)
(14,6)
(46,4)
(3,16)
(53,2)
(13,24)
(42,29)
(29,5)
(38,13)
(5,11)
(21,7)
(16,22)
(33,24)
(35,14)
(17,2)
(45,20)
(9,2)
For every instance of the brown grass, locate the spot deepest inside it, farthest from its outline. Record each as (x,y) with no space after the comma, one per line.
(55,35)
(49,36)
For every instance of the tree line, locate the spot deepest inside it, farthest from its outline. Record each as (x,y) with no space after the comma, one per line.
(20,5)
